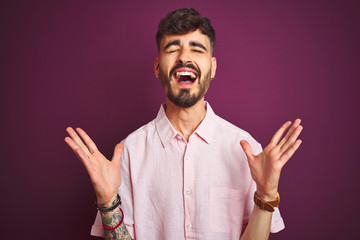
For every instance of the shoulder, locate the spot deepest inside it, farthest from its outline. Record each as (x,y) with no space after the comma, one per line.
(230,129)
(231,132)
(141,133)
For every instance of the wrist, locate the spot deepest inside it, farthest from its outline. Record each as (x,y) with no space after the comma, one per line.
(106,202)
(266,205)
(267,196)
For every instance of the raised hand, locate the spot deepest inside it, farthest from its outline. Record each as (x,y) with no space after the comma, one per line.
(266,167)
(105,175)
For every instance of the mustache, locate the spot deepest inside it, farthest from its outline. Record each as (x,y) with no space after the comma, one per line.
(181,65)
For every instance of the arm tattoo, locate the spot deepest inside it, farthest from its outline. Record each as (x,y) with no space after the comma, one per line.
(111,219)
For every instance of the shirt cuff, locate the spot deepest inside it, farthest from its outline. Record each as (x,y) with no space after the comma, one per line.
(277,223)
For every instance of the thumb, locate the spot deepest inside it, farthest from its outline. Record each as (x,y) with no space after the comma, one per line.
(247,149)
(117,153)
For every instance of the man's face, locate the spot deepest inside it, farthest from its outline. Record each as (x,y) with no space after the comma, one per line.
(185,67)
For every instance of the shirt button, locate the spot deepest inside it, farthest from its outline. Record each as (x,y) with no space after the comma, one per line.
(189,226)
(188,192)
(179,137)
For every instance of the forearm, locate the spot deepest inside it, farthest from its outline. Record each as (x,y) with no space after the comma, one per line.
(112,219)
(258,227)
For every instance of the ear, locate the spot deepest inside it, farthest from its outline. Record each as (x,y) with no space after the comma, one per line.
(213,67)
(156,67)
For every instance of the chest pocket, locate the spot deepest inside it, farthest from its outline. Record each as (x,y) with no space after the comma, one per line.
(226,210)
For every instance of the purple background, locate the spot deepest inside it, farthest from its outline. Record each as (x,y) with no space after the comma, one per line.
(90,64)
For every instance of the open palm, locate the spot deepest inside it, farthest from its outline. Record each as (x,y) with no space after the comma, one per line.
(266,167)
(105,175)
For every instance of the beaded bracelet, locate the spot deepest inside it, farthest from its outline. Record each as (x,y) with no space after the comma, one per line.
(113,228)
(109,209)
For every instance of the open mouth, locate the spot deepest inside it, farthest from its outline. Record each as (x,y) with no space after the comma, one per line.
(185,77)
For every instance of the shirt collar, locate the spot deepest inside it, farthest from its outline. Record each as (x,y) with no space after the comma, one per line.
(167,133)
(164,127)
(206,128)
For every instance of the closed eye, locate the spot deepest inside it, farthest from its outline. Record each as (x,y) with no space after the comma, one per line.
(172,51)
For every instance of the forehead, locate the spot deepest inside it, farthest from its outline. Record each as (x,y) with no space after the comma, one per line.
(195,36)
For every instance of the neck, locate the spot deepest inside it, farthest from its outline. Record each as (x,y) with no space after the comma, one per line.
(185,120)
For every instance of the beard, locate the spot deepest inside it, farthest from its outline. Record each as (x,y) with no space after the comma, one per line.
(184,98)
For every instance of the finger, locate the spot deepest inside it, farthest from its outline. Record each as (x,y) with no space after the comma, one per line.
(89,143)
(247,149)
(276,138)
(288,154)
(75,137)
(84,159)
(77,150)
(117,153)
(291,130)
(291,140)
(71,144)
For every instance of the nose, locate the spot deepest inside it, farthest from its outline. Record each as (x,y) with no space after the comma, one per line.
(184,57)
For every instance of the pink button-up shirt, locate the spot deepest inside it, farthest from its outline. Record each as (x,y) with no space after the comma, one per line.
(200,189)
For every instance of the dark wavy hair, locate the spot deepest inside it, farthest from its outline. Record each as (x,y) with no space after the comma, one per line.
(182,21)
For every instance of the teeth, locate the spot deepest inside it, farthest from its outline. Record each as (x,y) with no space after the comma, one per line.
(191,74)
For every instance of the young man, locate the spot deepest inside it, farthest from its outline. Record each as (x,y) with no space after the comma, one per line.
(188,174)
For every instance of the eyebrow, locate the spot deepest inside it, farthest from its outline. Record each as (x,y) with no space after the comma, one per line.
(176,42)
(191,43)
(197,44)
